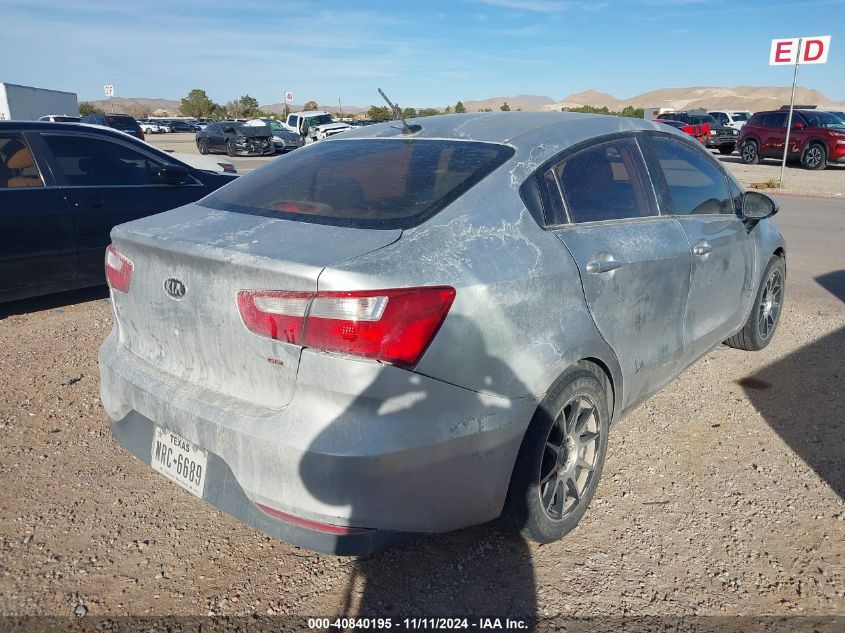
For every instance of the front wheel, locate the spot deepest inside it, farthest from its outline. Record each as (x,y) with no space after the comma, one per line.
(750,153)
(202,146)
(561,457)
(760,327)
(814,157)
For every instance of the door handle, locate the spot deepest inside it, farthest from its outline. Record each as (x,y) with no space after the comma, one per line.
(603,263)
(702,248)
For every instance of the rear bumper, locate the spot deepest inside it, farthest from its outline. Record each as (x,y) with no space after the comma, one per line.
(377,448)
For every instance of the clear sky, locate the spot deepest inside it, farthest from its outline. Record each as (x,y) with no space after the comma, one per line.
(421,53)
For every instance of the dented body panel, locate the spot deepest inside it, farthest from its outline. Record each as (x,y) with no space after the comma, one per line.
(348,441)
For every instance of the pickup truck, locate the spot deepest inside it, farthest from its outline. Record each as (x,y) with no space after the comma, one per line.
(718,136)
(314,125)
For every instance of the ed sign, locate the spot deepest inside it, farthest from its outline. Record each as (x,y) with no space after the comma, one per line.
(799,50)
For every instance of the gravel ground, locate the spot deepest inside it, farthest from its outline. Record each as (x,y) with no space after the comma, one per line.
(722,495)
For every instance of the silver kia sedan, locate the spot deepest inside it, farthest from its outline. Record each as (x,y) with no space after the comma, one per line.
(418,326)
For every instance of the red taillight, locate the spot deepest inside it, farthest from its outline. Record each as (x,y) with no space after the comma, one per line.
(118,270)
(394,326)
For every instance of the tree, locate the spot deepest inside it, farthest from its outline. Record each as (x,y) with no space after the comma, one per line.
(86,108)
(448,110)
(428,112)
(409,113)
(249,106)
(379,113)
(459,107)
(505,107)
(486,110)
(310,105)
(197,104)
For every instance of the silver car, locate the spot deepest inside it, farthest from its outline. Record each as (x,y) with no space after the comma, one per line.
(416,327)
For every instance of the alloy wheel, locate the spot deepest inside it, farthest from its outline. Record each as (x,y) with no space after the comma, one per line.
(770,304)
(814,157)
(749,152)
(569,458)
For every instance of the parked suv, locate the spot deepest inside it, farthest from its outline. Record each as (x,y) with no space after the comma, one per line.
(817,138)
(721,137)
(122,122)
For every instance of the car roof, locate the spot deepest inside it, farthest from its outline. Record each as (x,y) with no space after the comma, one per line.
(515,128)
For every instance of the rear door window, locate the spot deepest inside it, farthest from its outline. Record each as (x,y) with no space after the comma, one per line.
(367,183)
(606,182)
(696,185)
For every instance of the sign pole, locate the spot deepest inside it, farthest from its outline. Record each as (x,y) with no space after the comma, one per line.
(789,119)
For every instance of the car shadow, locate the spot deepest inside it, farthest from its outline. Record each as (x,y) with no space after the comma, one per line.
(484,570)
(802,399)
(834,283)
(53,301)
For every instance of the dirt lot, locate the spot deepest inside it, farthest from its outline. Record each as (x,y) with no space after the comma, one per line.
(722,495)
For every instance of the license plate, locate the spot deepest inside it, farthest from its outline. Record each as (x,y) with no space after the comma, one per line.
(179,460)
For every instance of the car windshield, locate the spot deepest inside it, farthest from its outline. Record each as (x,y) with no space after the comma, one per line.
(740,116)
(368,183)
(825,120)
(123,123)
(703,118)
(320,119)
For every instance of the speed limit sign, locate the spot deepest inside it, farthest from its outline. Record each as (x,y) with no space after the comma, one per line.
(288,96)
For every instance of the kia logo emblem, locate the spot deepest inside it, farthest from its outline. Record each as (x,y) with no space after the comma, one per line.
(175,288)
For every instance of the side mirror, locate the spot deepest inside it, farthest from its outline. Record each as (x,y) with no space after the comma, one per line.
(172,175)
(758,206)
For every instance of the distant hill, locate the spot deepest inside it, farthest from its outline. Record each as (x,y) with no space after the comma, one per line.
(138,105)
(525,102)
(751,98)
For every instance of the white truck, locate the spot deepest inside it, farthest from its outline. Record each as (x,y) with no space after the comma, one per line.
(314,125)
(25,103)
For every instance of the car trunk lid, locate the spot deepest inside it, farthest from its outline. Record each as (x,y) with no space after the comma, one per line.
(214,254)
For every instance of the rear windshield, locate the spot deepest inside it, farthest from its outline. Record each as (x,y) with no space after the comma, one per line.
(124,123)
(367,183)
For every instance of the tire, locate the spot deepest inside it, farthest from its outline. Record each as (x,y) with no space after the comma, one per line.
(760,327)
(230,148)
(727,148)
(750,153)
(814,156)
(563,450)
(202,146)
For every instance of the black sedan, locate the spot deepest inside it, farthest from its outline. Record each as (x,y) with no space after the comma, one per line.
(236,139)
(63,186)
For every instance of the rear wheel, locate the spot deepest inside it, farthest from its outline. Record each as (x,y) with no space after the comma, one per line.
(230,148)
(750,153)
(765,315)
(814,157)
(727,148)
(561,457)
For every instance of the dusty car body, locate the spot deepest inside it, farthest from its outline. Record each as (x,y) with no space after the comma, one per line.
(388,333)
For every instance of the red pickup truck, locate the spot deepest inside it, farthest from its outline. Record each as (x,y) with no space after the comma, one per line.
(699,132)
